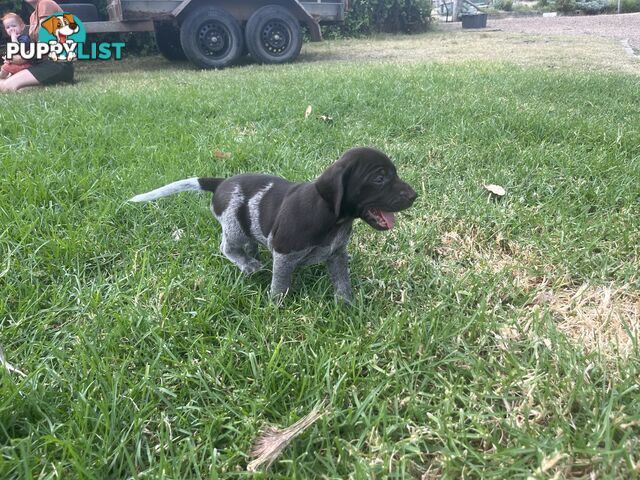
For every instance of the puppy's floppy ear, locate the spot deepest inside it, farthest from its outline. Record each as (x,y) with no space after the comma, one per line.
(71,21)
(331,185)
(50,25)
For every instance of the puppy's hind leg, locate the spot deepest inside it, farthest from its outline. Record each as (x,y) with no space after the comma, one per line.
(252,249)
(233,248)
(234,240)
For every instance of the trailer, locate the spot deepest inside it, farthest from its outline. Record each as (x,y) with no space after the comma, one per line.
(216,33)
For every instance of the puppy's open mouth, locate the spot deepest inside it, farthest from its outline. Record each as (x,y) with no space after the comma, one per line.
(380,219)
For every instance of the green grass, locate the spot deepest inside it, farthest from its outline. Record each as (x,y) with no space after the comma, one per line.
(150,357)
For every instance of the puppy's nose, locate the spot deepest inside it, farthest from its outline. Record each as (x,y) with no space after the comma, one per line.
(410,194)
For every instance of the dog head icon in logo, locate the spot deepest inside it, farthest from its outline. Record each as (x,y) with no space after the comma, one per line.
(64,29)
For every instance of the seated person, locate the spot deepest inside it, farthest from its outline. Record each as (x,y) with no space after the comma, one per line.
(43,72)
(17,32)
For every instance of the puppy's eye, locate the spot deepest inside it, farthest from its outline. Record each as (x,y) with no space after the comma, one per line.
(378,179)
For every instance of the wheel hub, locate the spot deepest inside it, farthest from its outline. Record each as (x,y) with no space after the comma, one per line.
(214,39)
(276,37)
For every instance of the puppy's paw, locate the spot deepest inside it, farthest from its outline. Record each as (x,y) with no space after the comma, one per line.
(344,298)
(252,266)
(278,298)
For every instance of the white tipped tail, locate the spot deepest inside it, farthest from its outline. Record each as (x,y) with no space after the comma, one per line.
(175,187)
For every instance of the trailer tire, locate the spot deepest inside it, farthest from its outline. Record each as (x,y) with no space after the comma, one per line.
(168,41)
(211,37)
(273,35)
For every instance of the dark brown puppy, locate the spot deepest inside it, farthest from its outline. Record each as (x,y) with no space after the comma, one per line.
(302,223)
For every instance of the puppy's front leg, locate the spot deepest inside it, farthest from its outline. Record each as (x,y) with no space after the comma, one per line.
(283,267)
(338,266)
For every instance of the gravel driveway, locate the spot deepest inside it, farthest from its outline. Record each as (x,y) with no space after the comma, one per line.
(624,27)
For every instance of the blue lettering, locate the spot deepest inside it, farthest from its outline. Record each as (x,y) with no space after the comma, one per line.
(118,46)
(81,53)
(105,51)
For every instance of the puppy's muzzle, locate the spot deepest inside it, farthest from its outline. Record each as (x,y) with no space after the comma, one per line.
(406,196)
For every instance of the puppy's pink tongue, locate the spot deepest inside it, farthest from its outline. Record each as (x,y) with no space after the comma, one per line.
(389,217)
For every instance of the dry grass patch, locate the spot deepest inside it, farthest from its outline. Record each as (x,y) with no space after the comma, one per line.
(526,50)
(434,470)
(461,252)
(599,317)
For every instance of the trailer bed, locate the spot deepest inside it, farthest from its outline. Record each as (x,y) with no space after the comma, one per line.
(215,33)
(139,15)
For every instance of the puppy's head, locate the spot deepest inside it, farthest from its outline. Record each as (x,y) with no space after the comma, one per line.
(364,184)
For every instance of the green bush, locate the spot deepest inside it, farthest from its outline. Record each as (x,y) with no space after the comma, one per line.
(592,7)
(566,5)
(626,6)
(393,16)
(505,5)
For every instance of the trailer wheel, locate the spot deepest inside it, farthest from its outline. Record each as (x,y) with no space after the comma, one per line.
(168,41)
(211,37)
(273,35)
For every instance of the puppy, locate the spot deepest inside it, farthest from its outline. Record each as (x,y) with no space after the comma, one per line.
(61,27)
(301,223)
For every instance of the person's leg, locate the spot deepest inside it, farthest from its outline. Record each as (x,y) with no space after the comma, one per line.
(4,71)
(20,80)
(12,68)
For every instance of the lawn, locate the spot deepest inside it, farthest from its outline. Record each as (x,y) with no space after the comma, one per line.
(488,338)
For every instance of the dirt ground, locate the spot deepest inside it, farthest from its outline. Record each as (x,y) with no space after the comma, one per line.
(603,42)
(624,27)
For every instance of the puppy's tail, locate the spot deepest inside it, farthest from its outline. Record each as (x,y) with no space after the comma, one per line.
(208,184)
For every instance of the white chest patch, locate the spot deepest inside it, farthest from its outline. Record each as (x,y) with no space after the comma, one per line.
(342,236)
(319,254)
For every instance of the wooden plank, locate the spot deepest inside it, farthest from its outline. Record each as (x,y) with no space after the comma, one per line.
(109,27)
(114,10)
(148,7)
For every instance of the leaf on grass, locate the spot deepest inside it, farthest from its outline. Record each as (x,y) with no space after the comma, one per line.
(221,154)
(10,368)
(177,234)
(549,463)
(496,190)
(308,111)
(272,441)
(326,118)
